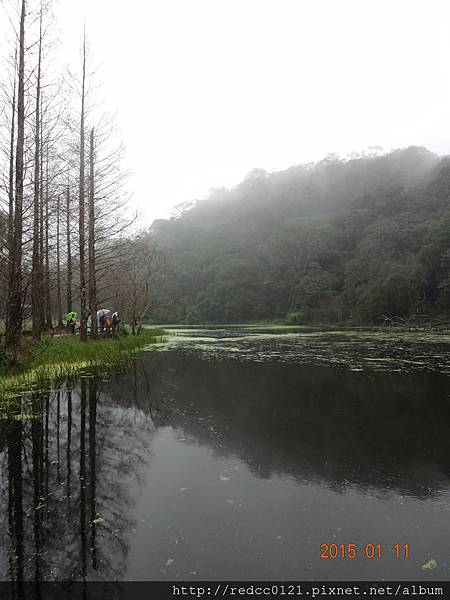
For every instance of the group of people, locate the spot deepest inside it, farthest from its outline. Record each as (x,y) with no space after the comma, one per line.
(107,323)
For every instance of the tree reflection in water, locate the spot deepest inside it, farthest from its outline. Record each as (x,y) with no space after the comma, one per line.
(387,432)
(66,484)
(72,462)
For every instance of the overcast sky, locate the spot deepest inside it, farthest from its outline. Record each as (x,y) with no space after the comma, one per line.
(206,90)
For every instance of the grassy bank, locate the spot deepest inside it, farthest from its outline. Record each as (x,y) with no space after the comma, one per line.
(55,358)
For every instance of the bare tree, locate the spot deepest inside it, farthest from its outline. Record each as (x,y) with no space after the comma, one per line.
(139,267)
(14,323)
(91,242)
(40,210)
(36,276)
(81,224)
(58,264)
(47,297)
(11,179)
(69,252)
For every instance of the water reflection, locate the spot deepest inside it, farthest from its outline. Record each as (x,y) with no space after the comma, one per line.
(68,458)
(386,431)
(189,468)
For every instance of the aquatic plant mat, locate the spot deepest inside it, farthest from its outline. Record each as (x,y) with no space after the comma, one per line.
(59,357)
(357,349)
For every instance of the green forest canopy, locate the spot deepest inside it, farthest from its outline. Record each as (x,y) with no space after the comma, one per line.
(336,240)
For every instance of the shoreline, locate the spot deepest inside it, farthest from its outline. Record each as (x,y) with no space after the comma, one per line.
(51,360)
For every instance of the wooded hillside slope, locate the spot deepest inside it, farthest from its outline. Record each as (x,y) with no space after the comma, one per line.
(355,239)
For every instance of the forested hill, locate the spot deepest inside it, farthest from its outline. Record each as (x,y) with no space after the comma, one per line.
(336,240)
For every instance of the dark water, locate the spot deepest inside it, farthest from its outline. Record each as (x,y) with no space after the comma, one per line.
(235,455)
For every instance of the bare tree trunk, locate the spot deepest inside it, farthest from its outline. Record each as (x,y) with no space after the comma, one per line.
(58,265)
(11,182)
(48,305)
(69,253)
(15,314)
(83,330)
(36,275)
(91,242)
(41,233)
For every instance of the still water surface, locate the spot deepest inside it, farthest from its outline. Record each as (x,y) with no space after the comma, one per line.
(234,454)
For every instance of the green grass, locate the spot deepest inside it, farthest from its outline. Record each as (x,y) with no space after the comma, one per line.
(52,359)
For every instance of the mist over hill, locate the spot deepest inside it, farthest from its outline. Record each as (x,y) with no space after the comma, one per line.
(341,239)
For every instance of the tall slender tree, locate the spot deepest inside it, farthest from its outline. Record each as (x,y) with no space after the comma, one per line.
(81,223)
(11,179)
(58,263)
(41,228)
(47,295)
(15,313)
(69,251)
(91,241)
(36,275)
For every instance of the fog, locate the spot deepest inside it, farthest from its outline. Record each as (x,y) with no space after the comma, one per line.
(204,94)
(205,91)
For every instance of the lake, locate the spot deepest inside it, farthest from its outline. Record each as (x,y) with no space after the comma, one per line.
(236,453)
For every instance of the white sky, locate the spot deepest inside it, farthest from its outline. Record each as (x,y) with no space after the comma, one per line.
(206,90)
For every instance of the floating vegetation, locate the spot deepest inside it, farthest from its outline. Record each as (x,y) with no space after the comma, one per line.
(430,565)
(356,350)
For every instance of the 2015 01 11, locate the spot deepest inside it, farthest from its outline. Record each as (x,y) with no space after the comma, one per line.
(369,551)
